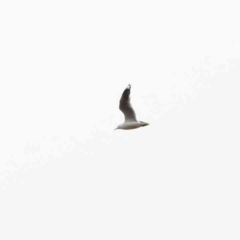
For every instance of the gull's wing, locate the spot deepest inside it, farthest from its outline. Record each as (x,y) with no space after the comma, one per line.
(126,107)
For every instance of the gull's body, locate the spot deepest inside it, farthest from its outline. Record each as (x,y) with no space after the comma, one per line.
(129,113)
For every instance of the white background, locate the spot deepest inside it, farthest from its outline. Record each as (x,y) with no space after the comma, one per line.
(64,172)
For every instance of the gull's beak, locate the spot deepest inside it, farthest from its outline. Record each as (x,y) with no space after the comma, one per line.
(144,124)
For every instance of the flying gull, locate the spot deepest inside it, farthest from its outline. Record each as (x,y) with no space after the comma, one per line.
(130,116)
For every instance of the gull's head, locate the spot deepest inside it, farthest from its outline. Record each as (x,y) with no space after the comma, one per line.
(144,124)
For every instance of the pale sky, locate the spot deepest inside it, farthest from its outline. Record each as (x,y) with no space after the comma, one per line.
(64,172)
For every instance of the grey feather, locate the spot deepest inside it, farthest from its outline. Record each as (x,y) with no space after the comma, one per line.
(126,107)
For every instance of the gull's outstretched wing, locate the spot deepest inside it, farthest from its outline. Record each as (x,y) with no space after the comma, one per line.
(126,107)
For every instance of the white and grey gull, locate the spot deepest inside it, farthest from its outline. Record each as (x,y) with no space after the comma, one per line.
(129,113)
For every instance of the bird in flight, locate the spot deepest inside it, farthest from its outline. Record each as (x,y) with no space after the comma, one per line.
(130,116)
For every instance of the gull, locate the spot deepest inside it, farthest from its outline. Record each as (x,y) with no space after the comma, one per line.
(130,116)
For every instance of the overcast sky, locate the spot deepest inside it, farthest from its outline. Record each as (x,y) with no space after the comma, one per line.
(64,172)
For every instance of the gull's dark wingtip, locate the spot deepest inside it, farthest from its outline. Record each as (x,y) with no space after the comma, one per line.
(125,96)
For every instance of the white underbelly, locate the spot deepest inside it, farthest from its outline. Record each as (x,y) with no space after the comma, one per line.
(130,125)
